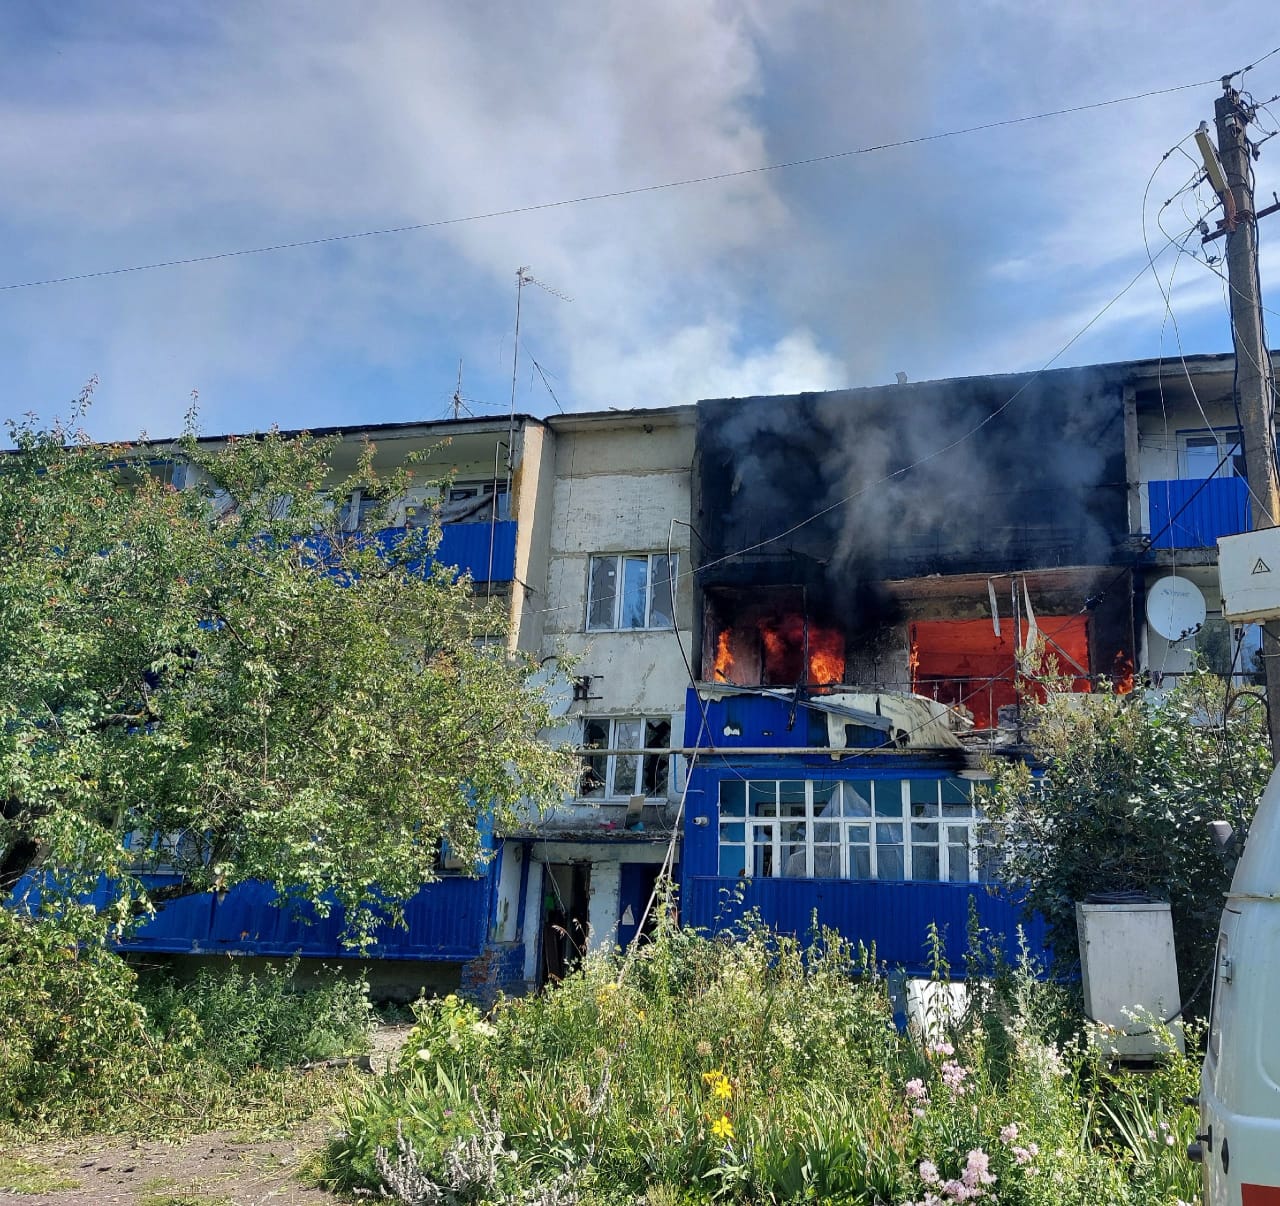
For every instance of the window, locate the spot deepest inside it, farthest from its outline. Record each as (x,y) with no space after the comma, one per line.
(1200,453)
(631,590)
(475,502)
(890,829)
(615,776)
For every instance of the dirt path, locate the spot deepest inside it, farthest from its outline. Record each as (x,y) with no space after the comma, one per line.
(217,1169)
(208,1170)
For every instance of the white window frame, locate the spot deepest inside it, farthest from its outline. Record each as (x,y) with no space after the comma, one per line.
(615,616)
(613,761)
(1222,438)
(763,833)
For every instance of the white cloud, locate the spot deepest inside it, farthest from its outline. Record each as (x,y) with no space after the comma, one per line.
(184,129)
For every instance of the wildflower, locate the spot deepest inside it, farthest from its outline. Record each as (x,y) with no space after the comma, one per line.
(929,1172)
(703,1049)
(1009,1133)
(718,1083)
(953,1076)
(916,1091)
(640,1015)
(722,1128)
(977,1170)
(941,1049)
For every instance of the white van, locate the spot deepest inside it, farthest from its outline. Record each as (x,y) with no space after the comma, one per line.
(1239,1140)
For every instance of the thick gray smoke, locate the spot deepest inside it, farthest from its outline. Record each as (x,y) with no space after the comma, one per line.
(1041,483)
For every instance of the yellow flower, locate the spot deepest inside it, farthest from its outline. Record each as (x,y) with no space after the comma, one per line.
(722,1128)
(722,1089)
(640,1015)
(710,1078)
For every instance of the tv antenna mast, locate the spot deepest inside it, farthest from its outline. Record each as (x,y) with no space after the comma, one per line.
(523,277)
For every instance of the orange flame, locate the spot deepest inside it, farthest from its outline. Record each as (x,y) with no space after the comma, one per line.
(724,657)
(1122,675)
(826,656)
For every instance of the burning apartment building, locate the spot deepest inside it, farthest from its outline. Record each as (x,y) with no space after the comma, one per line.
(874,569)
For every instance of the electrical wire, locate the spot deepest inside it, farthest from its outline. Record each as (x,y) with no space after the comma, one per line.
(970,433)
(613,194)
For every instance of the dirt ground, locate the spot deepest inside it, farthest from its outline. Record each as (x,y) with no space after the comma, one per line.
(218,1169)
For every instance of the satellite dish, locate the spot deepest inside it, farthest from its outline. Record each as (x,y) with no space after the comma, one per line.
(1175,608)
(556,688)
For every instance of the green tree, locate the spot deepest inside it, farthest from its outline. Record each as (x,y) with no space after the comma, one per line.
(1129,787)
(183,666)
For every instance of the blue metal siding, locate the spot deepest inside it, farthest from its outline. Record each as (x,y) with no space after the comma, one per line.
(1213,508)
(478,549)
(468,545)
(893,916)
(746,720)
(446,920)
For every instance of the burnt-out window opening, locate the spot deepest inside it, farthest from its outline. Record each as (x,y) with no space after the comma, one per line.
(608,775)
(886,829)
(767,636)
(631,590)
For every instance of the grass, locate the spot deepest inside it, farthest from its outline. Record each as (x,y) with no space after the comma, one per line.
(760,1071)
(20,1175)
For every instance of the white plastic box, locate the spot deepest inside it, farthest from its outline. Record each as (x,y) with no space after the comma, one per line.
(1130,974)
(1249,575)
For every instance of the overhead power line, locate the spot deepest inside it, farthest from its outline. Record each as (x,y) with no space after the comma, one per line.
(639,190)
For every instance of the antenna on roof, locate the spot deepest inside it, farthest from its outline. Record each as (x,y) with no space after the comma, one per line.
(459,406)
(523,277)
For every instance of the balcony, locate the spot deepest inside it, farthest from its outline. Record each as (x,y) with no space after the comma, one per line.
(446,920)
(892,916)
(1192,514)
(486,551)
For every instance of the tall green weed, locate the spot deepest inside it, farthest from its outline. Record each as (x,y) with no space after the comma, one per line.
(761,1071)
(88,1043)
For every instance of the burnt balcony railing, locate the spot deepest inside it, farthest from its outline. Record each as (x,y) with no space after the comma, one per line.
(1192,514)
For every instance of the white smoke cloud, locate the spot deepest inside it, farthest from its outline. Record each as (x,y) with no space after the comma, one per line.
(161,131)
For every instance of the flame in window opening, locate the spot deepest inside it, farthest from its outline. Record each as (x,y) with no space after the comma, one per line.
(724,657)
(826,656)
(1122,673)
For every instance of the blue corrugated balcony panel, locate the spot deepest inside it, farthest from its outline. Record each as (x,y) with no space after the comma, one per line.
(486,551)
(894,917)
(446,920)
(774,721)
(1192,514)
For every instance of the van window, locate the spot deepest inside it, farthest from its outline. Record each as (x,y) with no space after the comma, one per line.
(1215,1004)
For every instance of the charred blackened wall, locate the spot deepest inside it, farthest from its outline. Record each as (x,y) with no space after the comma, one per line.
(1039,483)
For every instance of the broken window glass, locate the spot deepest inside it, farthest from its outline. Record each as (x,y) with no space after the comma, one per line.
(615,775)
(602,592)
(657,767)
(635,589)
(630,590)
(595,735)
(661,603)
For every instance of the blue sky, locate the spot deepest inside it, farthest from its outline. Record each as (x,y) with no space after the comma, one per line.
(137,132)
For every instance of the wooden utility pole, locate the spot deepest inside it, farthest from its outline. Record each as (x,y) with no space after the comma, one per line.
(1255,390)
